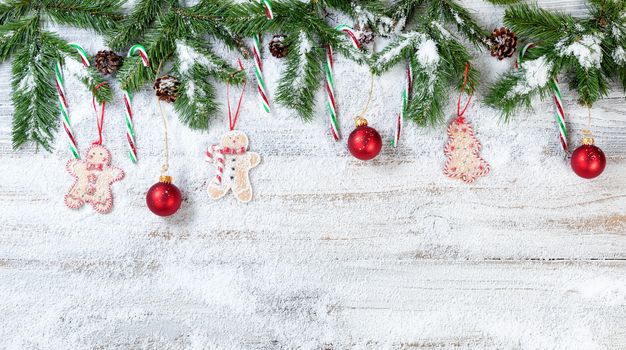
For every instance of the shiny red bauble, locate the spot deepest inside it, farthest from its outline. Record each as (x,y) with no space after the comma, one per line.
(588,161)
(163,198)
(364,142)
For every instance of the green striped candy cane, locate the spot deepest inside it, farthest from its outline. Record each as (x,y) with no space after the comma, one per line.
(128,106)
(63,104)
(558,101)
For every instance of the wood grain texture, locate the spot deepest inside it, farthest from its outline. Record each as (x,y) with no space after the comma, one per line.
(332,253)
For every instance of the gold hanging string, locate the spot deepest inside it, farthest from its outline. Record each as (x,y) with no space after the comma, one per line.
(166,164)
(369,98)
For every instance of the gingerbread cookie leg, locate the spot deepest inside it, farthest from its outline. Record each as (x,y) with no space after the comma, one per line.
(73,202)
(241,187)
(217,190)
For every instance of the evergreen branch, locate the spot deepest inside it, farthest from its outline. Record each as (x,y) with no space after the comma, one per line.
(195,103)
(590,84)
(14,10)
(504,2)
(452,12)
(133,75)
(17,34)
(429,94)
(301,78)
(519,87)
(34,96)
(191,52)
(537,24)
(100,15)
(399,49)
(133,27)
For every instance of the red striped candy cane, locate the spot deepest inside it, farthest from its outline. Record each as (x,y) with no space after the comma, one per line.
(350,32)
(558,101)
(215,154)
(406,96)
(258,72)
(330,94)
(128,107)
(268,9)
(64,108)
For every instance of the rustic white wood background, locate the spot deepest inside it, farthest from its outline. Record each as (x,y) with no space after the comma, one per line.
(333,253)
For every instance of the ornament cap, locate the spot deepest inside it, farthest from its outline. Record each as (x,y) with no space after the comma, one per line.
(166,179)
(588,141)
(360,121)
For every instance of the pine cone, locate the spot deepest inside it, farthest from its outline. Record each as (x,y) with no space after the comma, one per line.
(503,43)
(365,34)
(108,62)
(166,88)
(277,46)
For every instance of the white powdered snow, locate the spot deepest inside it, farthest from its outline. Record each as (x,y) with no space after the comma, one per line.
(75,68)
(619,55)
(446,34)
(304,48)
(587,50)
(188,56)
(536,74)
(428,54)
(407,40)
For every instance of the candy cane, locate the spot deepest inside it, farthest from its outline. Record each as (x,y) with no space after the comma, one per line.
(63,104)
(268,9)
(558,101)
(350,32)
(330,94)
(63,107)
(258,71)
(128,104)
(215,154)
(406,95)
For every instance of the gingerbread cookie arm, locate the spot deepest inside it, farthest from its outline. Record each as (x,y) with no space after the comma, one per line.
(255,159)
(74,166)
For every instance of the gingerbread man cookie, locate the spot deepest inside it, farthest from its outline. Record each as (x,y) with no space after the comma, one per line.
(233,163)
(94,177)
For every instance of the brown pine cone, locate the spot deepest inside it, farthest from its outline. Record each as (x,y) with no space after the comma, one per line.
(277,46)
(166,88)
(502,43)
(364,33)
(108,62)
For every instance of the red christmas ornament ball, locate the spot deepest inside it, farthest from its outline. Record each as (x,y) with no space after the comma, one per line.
(588,161)
(163,198)
(364,142)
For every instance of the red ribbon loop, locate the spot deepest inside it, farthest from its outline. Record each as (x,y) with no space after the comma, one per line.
(99,121)
(461,113)
(232,121)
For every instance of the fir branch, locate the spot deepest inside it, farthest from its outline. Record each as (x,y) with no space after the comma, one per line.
(429,94)
(195,103)
(451,12)
(141,18)
(504,2)
(34,96)
(192,52)
(301,77)
(518,88)
(16,34)
(403,46)
(536,24)
(590,84)
(13,10)
(100,15)
(133,75)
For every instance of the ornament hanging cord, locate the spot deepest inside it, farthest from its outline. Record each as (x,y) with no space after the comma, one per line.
(166,162)
(99,121)
(461,113)
(369,98)
(232,120)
